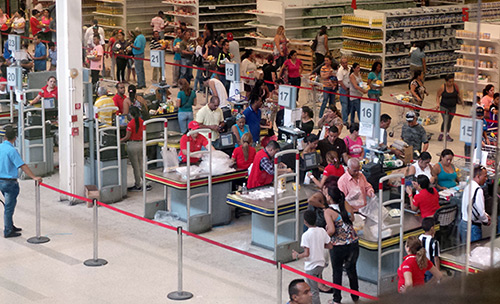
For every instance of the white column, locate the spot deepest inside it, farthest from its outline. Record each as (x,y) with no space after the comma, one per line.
(69,81)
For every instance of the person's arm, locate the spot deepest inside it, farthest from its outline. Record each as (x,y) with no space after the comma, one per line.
(211,85)
(277,44)
(356,86)
(30,173)
(36,99)
(326,43)
(44,56)
(424,66)
(301,67)
(126,105)
(178,102)
(234,129)
(330,225)
(143,102)
(412,171)
(437,262)
(408,281)
(341,81)
(438,96)
(368,187)
(127,136)
(425,147)
(437,276)
(479,207)
(409,191)
(195,101)
(298,256)
(345,156)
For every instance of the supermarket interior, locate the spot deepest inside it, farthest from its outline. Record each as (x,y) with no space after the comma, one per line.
(204,147)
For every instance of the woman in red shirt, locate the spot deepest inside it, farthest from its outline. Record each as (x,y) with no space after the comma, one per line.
(294,67)
(244,154)
(412,271)
(48,92)
(134,147)
(427,199)
(334,168)
(197,141)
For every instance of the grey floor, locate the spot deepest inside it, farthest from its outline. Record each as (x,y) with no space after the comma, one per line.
(142,257)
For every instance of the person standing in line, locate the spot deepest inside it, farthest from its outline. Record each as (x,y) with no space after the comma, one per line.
(479,215)
(417,58)
(10,162)
(18,23)
(417,88)
(280,46)
(339,219)
(52,56)
(109,49)
(294,67)
(177,57)
(344,85)
(35,23)
(40,56)
(187,51)
(119,50)
(158,24)
(186,99)
(155,44)
(234,48)
(269,73)
(487,99)
(120,96)
(199,62)
(248,69)
(447,98)
(96,58)
(314,241)
(375,91)
(430,244)
(330,83)
(355,90)
(223,57)
(138,53)
(354,142)
(133,138)
(321,46)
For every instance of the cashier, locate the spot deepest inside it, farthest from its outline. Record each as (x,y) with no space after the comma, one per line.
(354,185)
(262,172)
(49,92)
(196,141)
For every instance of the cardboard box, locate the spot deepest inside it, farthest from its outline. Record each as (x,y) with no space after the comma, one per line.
(91,192)
(408,155)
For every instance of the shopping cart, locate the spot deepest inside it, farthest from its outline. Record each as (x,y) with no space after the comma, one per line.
(408,103)
(314,97)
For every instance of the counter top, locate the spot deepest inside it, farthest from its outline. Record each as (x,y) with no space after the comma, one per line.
(455,258)
(175,180)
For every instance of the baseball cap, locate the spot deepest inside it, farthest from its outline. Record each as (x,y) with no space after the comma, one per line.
(230,36)
(193,125)
(410,115)
(479,111)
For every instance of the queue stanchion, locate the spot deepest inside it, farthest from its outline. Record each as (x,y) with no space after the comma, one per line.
(179,294)
(279,287)
(95,261)
(37,239)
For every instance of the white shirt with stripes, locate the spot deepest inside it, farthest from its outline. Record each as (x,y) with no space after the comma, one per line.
(431,246)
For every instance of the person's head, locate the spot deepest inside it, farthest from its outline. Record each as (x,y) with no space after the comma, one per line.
(95,29)
(35,13)
(241,121)
(101,91)
(328,60)
(480,175)
(52,45)
(10,133)
(178,32)
(120,35)
(184,86)
(135,112)
(46,13)
(270,58)
(489,90)
(183,25)
(132,91)
(311,141)
(418,75)
(310,218)
(377,67)
(330,182)
(19,13)
(446,157)
(411,118)
(51,82)
(428,225)
(249,54)
(200,40)
(332,157)
(424,183)
(414,246)
(424,160)
(353,167)
(97,39)
(479,113)
(160,14)
(344,62)
(225,45)
(230,37)
(330,111)
(272,148)
(307,113)
(354,129)
(317,199)
(420,45)
(337,122)
(449,79)
(280,30)
(333,134)
(193,125)
(120,88)
(496,98)
(292,55)
(299,292)
(355,68)
(247,139)
(186,36)
(214,102)
(385,121)
(256,101)
(37,39)
(322,30)
(156,35)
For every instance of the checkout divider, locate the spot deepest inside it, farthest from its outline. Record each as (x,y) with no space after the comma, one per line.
(102,262)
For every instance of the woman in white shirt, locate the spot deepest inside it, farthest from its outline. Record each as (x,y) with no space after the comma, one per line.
(248,68)
(422,166)
(18,22)
(355,90)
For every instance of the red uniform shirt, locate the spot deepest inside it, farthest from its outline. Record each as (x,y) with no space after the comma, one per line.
(136,135)
(33,25)
(417,274)
(195,145)
(46,94)
(330,170)
(118,100)
(427,203)
(239,157)
(257,176)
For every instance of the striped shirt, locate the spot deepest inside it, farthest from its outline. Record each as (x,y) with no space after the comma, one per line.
(431,246)
(155,44)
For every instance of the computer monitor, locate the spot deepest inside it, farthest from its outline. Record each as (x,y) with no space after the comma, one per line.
(49,103)
(226,140)
(311,161)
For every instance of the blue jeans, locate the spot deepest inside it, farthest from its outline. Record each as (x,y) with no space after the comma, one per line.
(475,234)
(139,70)
(184,119)
(198,81)
(327,99)
(355,105)
(186,73)
(374,96)
(10,191)
(344,102)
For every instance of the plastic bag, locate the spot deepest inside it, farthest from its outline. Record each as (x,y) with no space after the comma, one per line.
(481,255)
(221,163)
(355,197)
(195,171)
(170,159)
(371,210)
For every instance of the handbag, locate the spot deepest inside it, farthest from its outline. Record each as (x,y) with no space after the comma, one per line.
(314,44)
(197,60)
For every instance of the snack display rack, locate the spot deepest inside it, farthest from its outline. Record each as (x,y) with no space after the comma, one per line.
(88,8)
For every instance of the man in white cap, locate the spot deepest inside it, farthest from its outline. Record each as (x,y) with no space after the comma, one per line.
(414,134)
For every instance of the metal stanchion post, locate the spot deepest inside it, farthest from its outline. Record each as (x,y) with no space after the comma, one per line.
(37,239)
(95,261)
(279,288)
(179,294)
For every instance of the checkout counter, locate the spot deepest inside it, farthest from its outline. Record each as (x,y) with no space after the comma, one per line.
(454,259)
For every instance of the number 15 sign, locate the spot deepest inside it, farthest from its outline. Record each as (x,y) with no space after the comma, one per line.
(466,130)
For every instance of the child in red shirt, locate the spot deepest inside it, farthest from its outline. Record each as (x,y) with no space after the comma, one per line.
(334,168)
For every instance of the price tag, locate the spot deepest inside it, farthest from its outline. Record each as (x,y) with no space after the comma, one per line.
(14,77)
(211,7)
(369,119)
(157,58)
(287,96)
(406,30)
(466,130)
(232,71)
(14,42)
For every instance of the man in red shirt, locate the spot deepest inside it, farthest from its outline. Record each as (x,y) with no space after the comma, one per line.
(119,96)
(196,142)
(262,172)
(34,22)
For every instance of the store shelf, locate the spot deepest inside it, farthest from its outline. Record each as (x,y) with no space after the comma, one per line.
(261,50)
(420,39)
(479,68)
(179,3)
(226,29)
(480,54)
(265,14)
(472,82)
(261,25)
(413,27)
(111,26)
(362,53)
(181,15)
(110,15)
(111,1)
(315,6)
(225,21)
(474,39)
(362,39)
(363,26)
(224,5)
(313,17)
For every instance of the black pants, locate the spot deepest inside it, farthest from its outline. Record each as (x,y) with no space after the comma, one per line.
(121,64)
(345,255)
(450,117)
(95,76)
(295,81)
(320,58)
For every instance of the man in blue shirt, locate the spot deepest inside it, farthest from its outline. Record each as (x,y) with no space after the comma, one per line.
(253,116)
(9,163)
(138,52)
(40,56)
(177,57)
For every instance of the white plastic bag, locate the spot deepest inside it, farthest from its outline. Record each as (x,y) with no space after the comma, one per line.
(355,197)
(170,159)
(323,132)
(371,210)
(194,171)
(221,163)
(482,256)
